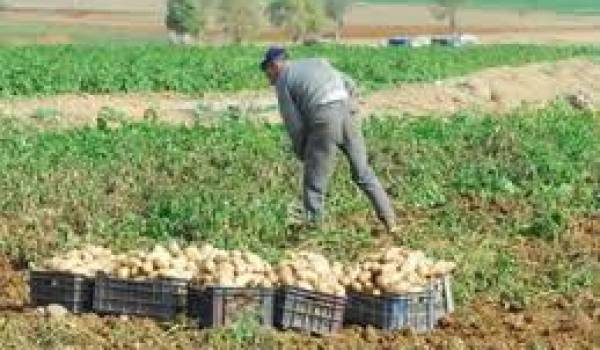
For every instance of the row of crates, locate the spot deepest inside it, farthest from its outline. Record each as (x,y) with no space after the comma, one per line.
(285,308)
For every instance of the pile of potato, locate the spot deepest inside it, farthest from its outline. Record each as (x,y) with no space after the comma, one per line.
(387,271)
(86,261)
(311,272)
(216,267)
(393,271)
(161,262)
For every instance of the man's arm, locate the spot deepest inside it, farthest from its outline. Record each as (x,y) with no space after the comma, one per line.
(292,120)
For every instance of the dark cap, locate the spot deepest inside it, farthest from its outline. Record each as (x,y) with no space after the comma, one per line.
(274,53)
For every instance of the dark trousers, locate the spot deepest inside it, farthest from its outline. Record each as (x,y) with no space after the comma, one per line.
(334,127)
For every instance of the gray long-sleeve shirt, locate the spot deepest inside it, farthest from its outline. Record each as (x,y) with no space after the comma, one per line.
(302,87)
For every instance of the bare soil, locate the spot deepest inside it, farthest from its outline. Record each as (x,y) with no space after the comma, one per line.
(497,90)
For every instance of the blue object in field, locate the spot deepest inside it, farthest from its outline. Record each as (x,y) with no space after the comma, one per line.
(399,41)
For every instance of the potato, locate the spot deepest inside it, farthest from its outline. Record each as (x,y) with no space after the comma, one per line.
(173,248)
(209,266)
(442,268)
(305,285)
(287,279)
(243,280)
(220,257)
(147,267)
(266,284)
(338,269)
(160,262)
(123,273)
(364,277)
(226,280)
(239,265)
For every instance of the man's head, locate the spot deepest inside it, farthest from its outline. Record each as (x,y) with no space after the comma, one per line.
(273,63)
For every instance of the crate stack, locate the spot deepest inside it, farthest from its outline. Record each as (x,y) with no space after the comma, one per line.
(303,300)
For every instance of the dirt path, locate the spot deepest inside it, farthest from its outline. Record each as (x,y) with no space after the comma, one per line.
(496,90)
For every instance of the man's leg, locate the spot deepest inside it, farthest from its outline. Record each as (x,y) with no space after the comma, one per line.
(319,157)
(355,150)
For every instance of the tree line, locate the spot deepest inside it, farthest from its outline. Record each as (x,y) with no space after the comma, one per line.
(241,20)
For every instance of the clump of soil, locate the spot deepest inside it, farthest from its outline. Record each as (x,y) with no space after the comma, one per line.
(13,291)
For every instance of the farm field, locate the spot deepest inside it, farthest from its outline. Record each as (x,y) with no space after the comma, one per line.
(511,195)
(572,6)
(519,217)
(39,70)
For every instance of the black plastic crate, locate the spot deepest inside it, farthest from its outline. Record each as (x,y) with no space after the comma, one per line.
(308,311)
(218,306)
(74,292)
(415,311)
(162,298)
(444,299)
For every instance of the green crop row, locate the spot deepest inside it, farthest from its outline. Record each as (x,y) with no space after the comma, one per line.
(26,71)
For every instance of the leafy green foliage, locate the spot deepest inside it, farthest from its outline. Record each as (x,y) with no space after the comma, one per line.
(49,70)
(185,16)
(470,188)
(241,19)
(336,10)
(299,17)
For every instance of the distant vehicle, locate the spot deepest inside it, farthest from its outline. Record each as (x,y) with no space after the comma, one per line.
(420,41)
(403,41)
(455,40)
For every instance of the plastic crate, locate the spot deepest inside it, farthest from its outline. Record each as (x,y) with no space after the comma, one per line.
(414,311)
(156,298)
(308,311)
(444,299)
(218,306)
(74,292)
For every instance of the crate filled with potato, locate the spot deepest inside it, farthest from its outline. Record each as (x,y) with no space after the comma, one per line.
(148,284)
(394,289)
(68,279)
(311,298)
(231,286)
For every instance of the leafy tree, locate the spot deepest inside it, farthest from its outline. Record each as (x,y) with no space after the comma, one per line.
(300,17)
(186,17)
(448,9)
(241,19)
(336,10)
